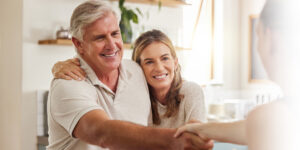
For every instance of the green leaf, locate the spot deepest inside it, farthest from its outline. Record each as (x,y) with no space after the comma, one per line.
(123,10)
(132,16)
(121,3)
(139,11)
(135,18)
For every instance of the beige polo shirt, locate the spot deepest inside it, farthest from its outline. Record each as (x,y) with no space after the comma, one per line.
(69,100)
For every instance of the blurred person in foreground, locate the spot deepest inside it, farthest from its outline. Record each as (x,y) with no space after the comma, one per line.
(273,126)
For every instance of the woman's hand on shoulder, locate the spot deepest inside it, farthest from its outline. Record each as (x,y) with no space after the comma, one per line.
(68,70)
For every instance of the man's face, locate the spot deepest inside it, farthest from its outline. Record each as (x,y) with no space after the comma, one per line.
(102,46)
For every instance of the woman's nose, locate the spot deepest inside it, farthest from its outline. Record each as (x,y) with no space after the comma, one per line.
(159,66)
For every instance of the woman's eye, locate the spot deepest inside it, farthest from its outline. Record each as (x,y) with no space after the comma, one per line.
(165,58)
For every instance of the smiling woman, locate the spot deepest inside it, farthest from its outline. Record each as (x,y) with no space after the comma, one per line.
(155,53)
(174,101)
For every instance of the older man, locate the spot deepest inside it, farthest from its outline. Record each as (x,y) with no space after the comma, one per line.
(110,108)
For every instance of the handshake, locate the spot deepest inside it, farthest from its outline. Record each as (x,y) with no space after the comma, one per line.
(195,139)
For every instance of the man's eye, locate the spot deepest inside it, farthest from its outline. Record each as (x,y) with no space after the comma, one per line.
(99,38)
(148,62)
(115,33)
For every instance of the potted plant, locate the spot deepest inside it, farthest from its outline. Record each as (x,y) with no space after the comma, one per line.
(128,15)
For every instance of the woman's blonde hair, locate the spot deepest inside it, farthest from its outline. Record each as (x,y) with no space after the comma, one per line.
(173,98)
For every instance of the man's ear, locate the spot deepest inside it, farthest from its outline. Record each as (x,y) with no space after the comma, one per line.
(78,44)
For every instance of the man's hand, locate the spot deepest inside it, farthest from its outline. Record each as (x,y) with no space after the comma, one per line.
(189,141)
(69,69)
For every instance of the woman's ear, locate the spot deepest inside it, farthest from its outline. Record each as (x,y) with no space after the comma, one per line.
(78,44)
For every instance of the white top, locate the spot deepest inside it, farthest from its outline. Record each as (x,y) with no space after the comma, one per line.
(69,100)
(192,107)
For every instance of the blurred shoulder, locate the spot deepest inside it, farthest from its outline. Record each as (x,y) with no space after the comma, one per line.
(276,108)
(268,117)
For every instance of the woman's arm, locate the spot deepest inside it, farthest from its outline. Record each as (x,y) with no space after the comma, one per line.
(233,132)
(69,69)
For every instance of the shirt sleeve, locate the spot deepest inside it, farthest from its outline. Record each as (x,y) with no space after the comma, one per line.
(194,102)
(70,100)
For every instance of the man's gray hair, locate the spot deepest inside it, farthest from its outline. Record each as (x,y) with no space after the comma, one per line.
(87,13)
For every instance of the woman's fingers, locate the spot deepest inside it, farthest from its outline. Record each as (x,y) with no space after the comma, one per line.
(66,77)
(79,74)
(73,75)
(62,76)
(75,61)
(69,69)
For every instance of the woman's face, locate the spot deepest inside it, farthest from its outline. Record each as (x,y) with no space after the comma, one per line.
(158,65)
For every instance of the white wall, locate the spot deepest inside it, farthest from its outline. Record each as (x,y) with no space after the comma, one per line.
(10,76)
(229,45)
(231,14)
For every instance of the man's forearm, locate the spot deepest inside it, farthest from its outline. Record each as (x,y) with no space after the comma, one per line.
(128,136)
(96,128)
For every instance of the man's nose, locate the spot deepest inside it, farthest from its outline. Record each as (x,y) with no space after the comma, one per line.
(110,43)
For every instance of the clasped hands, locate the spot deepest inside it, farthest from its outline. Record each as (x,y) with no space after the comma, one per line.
(194,140)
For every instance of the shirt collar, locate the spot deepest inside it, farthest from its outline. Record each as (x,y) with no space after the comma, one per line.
(124,76)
